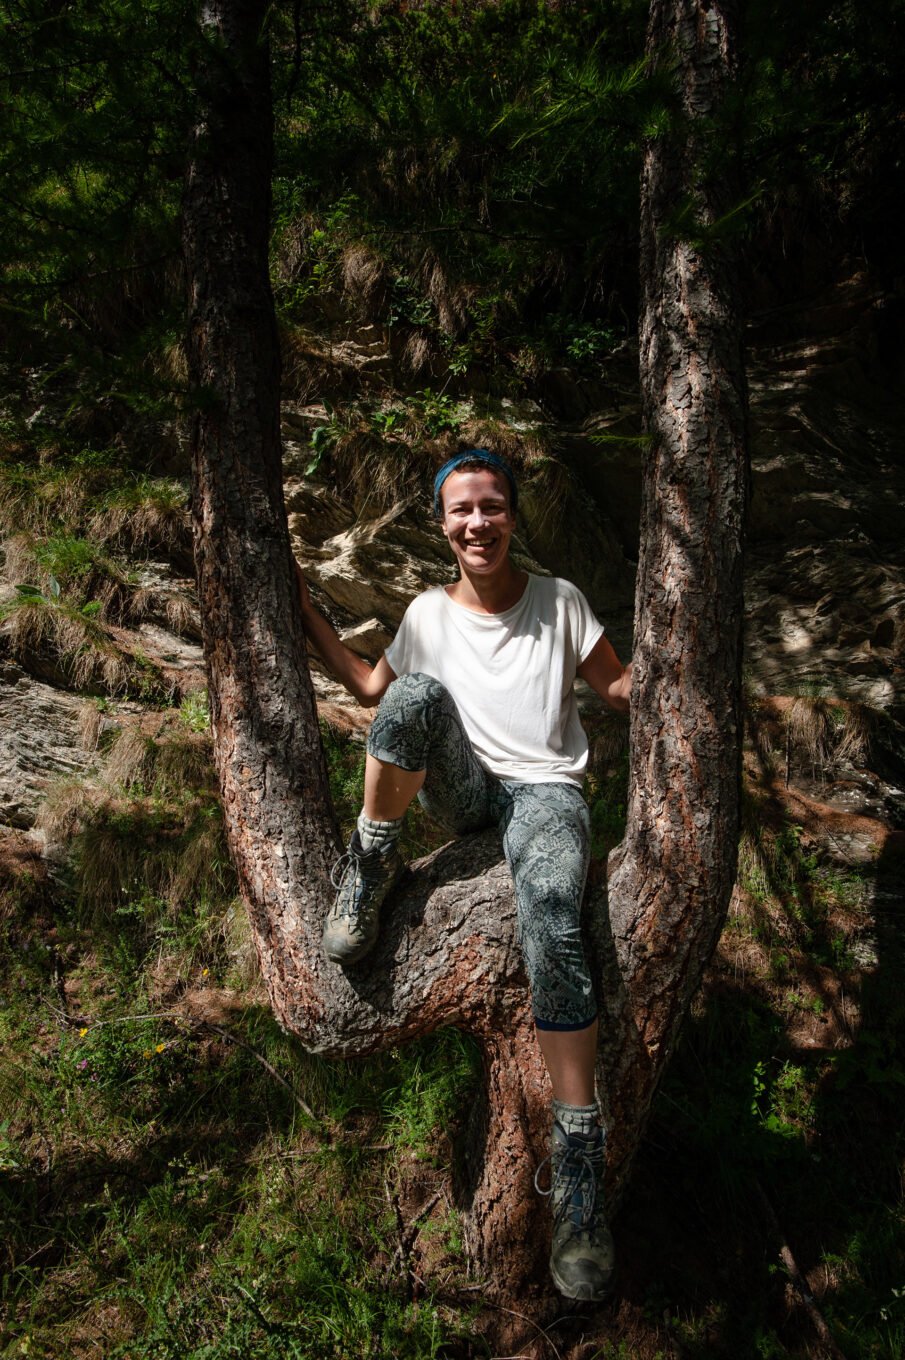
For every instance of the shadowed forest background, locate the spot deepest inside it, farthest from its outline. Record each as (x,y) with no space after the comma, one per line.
(454,258)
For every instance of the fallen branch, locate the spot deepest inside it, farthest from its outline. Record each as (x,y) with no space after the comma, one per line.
(793,1270)
(408,1234)
(531,1323)
(234,1039)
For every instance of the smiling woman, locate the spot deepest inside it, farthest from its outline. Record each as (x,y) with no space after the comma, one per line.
(478,521)
(448,730)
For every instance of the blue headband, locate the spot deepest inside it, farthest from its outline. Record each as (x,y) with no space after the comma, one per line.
(488,459)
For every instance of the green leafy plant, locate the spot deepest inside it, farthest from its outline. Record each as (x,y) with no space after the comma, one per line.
(439,414)
(408,306)
(194,711)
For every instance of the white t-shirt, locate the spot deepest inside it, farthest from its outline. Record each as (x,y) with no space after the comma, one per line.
(511,674)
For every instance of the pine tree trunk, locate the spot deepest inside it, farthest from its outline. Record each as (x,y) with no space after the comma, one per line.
(448,953)
(268,751)
(672,877)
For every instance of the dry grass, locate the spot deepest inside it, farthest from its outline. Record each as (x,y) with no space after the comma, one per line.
(760,864)
(378,469)
(830,732)
(823,731)
(149,516)
(60,815)
(131,759)
(25,888)
(157,752)
(146,514)
(528,450)
(811,727)
(119,857)
(50,638)
(309,373)
(36,627)
(182,616)
(376,475)
(38,500)
(91,721)
(202,869)
(172,362)
(120,600)
(142,828)
(138,848)
(761,730)
(102,665)
(239,944)
(20,566)
(90,577)
(451,300)
(365,280)
(855,734)
(184,762)
(290,249)
(418,353)
(145,600)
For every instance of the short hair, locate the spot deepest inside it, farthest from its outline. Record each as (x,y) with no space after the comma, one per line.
(475,458)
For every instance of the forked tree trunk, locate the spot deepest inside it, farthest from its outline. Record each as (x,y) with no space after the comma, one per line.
(448,954)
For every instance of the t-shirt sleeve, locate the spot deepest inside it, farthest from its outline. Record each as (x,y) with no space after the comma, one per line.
(586,628)
(400,653)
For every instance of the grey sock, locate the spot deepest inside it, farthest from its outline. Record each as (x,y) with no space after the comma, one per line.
(377,835)
(580,1119)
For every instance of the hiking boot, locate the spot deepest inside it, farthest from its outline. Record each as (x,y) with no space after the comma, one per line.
(582,1257)
(362,880)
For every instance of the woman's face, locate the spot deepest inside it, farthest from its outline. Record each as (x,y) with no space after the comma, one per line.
(477,519)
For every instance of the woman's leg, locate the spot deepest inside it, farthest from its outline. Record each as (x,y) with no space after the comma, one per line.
(417,745)
(388,789)
(547,844)
(546,837)
(571,1057)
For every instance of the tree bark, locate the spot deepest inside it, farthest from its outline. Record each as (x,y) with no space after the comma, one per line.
(448,953)
(671,879)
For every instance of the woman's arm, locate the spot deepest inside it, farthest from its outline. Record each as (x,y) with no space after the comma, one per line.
(365,683)
(605,673)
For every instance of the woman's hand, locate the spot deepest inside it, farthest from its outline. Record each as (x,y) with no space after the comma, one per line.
(304,593)
(365,683)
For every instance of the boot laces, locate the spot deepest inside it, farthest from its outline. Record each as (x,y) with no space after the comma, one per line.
(350,873)
(348,863)
(575,1172)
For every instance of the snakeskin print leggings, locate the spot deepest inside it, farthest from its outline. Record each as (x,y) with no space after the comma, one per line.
(545,828)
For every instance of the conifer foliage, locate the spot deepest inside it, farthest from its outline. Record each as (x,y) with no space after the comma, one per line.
(92,155)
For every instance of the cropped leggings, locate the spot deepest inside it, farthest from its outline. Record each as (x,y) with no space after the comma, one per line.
(546,837)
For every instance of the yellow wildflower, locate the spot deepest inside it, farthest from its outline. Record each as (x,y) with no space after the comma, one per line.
(82,1033)
(160,1048)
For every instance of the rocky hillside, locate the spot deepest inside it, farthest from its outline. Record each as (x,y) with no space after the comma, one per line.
(826,553)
